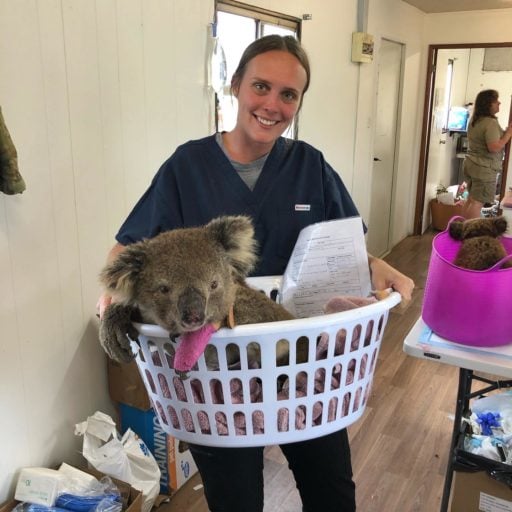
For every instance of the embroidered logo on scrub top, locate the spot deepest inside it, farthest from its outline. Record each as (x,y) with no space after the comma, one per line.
(302,207)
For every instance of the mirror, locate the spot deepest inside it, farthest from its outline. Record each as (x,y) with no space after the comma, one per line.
(455,75)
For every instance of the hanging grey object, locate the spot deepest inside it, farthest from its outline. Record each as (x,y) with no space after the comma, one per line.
(217,68)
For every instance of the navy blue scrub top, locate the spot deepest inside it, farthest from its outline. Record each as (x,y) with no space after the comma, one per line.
(296,188)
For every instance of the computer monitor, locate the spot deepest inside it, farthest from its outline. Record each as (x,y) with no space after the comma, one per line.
(458,118)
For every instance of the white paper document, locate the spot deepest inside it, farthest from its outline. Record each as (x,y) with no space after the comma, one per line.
(329,259)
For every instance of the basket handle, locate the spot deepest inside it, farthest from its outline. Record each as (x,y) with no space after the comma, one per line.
(455,217)
(500,263)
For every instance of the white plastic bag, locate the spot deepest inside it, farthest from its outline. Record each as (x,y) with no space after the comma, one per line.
(126,458)
(446,198)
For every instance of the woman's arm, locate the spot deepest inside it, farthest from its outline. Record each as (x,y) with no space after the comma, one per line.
(385,276)
(498,145)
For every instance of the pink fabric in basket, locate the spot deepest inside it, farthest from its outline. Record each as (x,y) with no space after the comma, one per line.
(467,306)
(283,394)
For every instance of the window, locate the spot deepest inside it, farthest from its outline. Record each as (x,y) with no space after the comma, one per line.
(238,25)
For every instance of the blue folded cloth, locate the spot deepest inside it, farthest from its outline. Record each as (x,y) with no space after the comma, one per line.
(66,502)
(84,503)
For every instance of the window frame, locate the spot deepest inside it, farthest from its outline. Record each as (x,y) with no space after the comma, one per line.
(260,15)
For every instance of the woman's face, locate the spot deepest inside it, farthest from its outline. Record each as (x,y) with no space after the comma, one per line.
(269,95)
(495,106)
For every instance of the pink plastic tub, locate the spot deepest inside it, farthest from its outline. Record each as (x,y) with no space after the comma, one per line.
(468,306)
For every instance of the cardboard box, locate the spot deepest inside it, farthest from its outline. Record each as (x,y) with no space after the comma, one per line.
(442,213)
(176,466)
(478,492)
(132,498)
(126,386)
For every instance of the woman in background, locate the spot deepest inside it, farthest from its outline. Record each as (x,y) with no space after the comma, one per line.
(486,140)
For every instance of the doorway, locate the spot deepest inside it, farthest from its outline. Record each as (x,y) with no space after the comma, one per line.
(384,148)
(430,137)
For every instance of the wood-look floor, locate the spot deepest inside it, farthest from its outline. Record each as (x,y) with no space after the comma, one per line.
(400,446)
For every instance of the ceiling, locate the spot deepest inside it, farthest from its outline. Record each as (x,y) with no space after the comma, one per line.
(430,6)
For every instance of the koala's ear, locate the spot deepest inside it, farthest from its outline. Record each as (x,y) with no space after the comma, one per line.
(120,276)
(500,225)
(235,234)
(456,230)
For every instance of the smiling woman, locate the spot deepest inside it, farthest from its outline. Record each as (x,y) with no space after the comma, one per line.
(269,89)
(237,26)
(283,185)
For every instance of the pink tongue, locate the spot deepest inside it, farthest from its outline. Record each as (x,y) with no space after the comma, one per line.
(192,345)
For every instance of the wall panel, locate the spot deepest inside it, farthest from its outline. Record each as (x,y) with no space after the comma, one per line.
(80,83)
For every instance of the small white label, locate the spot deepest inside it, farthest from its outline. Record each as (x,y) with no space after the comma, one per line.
(490,503)
(302,207)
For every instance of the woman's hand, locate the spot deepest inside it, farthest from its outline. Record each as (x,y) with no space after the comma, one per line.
(508,132)
(103,303)
(105,299)
(385,276)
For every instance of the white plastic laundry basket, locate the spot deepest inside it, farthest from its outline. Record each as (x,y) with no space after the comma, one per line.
(268,404)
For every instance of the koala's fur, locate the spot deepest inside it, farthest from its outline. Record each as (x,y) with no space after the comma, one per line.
(481,248)
(184,279)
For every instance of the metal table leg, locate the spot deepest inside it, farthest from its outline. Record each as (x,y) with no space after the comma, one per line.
(463,393)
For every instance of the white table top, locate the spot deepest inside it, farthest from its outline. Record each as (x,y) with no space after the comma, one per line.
(420,342)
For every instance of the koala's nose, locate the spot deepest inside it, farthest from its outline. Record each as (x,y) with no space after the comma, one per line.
(191,306)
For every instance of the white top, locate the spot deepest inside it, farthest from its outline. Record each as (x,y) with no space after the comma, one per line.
(422,343)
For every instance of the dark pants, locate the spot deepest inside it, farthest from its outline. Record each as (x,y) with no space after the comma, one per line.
(233,477)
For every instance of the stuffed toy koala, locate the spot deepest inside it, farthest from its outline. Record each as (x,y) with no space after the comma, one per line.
(189,281)
(481,247)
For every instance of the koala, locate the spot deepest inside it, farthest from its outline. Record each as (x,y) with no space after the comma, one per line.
(481,248)
(186,281)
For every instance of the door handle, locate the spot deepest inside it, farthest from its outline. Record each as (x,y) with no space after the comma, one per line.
(375,159)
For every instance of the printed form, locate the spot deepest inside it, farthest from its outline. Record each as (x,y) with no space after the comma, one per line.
(329,259)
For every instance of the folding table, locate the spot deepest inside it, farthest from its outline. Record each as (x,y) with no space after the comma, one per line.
(497,361)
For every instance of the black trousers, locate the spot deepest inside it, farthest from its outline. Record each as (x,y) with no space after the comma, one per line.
(233,477)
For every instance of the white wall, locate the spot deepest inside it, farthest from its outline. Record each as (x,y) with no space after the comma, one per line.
(400,22)
(95,95)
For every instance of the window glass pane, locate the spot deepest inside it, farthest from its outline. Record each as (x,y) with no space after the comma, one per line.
(235,34)
(268,29)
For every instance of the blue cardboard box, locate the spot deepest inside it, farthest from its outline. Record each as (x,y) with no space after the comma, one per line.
(176,467)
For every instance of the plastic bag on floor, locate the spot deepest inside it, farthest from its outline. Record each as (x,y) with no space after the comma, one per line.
(126,458)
